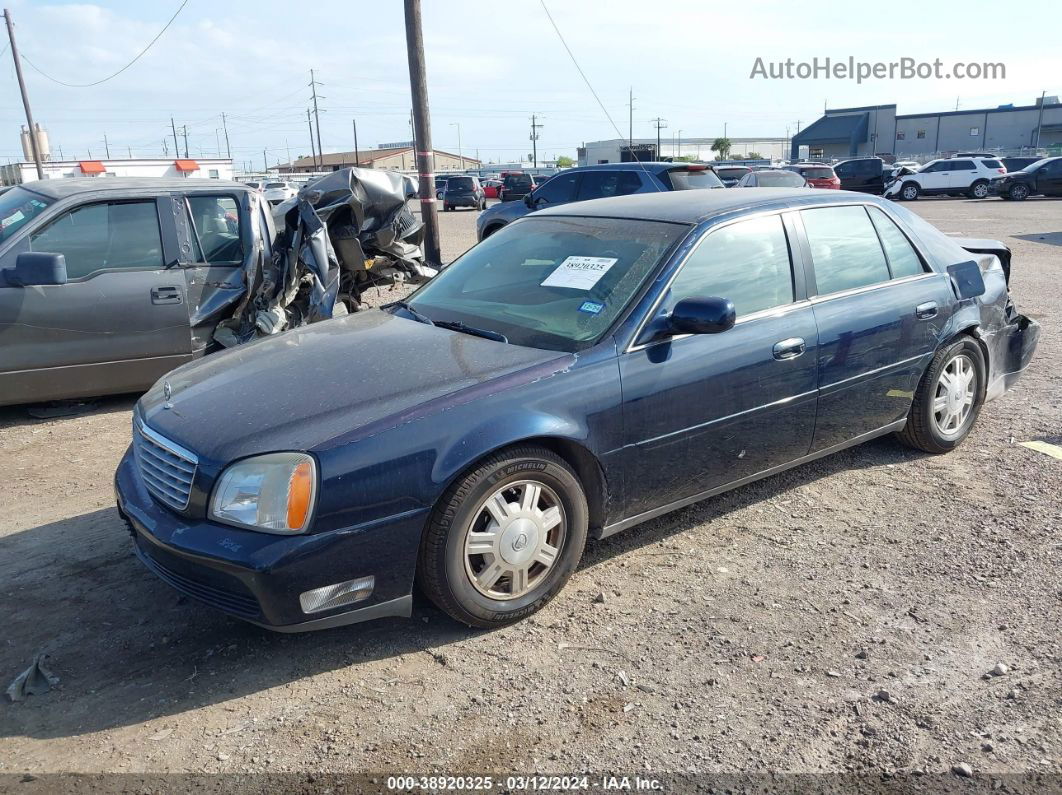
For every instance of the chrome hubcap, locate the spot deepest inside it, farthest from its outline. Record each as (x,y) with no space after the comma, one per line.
(514,539)
(909,192)
(981,191)
(954,397)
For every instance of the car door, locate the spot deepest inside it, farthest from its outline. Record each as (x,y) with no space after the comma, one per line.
(118,323)
(701,411)
(935,177)
(962,174)
(878,309)
(1049,178)
(220,245)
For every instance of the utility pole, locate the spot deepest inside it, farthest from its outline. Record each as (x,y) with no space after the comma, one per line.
(630,120)
(176,146)
(422,132)
(165,147)
(678,149)
(130,149)
(313,152)
(106,146)
(1039,121)
(316,115)
(357,154)
(225,127)
(217,140)
(287,148)
(534,140)
(413,133)
(659,124)
(184,132)
(265,164)
(460,154)
(35,146)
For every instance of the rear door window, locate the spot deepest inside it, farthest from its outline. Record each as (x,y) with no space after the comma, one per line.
(216,229)
(104,236)
(844,249)
(747,262)
(960,165)
(558,190)
(903,259)
(599,184)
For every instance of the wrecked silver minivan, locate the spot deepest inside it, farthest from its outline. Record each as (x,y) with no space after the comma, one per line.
(105,285)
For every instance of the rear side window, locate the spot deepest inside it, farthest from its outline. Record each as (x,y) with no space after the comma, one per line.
(216,224)
(104,236)
(598,184)
(903,259)
(992,164)
(558,190)
(844,249)
(960,165)
(747,262)
(693,179)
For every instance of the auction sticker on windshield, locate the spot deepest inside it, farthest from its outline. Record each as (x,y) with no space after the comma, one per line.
(579,273)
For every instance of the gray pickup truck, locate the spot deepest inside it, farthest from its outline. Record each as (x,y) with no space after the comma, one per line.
(107,284)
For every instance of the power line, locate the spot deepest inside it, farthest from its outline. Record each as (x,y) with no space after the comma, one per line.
(110,77)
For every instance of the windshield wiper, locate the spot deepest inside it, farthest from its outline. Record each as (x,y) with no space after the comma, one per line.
(415,314)
(457,325)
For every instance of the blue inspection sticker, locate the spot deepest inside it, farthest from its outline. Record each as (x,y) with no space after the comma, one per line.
(592,307)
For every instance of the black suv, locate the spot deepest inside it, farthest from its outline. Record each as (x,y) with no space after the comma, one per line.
(866,174)
(464,191)
(1044,177)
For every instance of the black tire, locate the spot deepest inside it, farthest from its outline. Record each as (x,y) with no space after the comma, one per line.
(447,208)
(490,230)
(979,190)
(1019,192)
(909,191)
(443,573)
(922,431)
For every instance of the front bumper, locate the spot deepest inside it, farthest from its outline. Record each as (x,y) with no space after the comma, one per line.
(258,577)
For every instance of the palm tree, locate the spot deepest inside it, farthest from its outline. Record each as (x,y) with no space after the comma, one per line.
(722,146)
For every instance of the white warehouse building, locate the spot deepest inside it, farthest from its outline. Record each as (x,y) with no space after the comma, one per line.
(207,168)
(617,150)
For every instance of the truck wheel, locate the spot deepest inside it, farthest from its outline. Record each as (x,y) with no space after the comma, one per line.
(909,191)
(948,399)
(979,190)
(505,538)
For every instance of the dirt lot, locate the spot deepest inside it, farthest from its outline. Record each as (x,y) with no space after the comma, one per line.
(751,633)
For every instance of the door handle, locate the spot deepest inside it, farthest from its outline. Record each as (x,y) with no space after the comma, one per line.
(166,295)
(926,310)
(789,349)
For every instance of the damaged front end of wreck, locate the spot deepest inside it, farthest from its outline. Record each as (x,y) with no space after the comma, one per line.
(311,257)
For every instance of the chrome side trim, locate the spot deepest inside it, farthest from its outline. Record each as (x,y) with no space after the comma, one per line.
(819,299)
(624,524)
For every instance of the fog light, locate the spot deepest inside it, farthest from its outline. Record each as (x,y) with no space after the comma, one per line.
(342,593)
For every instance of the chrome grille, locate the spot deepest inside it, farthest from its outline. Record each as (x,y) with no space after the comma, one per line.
(167,468)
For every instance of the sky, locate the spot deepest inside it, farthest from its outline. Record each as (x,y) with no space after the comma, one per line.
(491,64)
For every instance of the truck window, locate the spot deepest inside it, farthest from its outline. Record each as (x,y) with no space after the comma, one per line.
(216,229)
(104,236)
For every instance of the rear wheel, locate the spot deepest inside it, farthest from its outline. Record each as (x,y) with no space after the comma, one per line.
(505,538)
(909,191)
(979,190)
(948,399)
(1019,192)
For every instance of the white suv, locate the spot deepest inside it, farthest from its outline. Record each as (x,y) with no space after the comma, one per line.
(953,176)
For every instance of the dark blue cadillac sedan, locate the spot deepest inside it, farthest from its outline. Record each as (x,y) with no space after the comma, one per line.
(585,369)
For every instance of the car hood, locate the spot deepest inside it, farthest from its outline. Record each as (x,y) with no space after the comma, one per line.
(300,389)
(506,211)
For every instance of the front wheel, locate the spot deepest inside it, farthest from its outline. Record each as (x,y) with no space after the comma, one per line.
(979,190)
(505,538)
(909,191)
(1019,192)
(948,399)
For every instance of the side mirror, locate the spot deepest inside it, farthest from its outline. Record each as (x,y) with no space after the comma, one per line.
(530,202)
(702,316)
(38,267)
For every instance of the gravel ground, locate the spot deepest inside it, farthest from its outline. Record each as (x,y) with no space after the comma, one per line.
(843,616)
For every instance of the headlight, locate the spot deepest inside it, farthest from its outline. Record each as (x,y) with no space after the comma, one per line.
(274,493)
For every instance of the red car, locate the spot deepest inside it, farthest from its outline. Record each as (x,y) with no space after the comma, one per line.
(490,188)
(818,175)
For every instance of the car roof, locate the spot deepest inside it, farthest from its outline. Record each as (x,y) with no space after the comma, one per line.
(650,165)
(62,188)
(694,206)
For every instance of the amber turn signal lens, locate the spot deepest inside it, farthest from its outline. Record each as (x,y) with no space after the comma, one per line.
(300,494)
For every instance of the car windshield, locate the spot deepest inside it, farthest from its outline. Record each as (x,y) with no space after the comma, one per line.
(549,282)
(778,179)
(17,206)
(459,183)
(693,179)
(1037,164)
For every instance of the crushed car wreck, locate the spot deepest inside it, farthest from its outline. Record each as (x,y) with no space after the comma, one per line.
(105,285)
